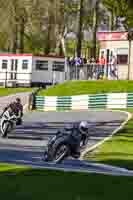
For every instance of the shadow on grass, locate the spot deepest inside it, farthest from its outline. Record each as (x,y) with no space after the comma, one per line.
(30,184)
(125,131)
(118,151)
(119,159)
(128,164)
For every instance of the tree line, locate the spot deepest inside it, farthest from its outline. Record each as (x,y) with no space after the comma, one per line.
(43,26)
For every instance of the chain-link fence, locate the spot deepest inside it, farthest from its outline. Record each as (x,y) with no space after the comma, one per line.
(91,72)
(74,72)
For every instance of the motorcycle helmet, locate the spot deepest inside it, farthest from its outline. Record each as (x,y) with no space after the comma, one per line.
(83,127)
(18,100)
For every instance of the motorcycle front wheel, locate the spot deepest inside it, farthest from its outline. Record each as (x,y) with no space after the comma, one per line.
(6,126)
(61,152)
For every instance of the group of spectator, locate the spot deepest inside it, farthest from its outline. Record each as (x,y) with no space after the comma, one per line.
(97,68)
(80,61)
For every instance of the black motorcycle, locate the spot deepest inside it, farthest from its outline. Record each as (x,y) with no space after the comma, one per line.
(64,144)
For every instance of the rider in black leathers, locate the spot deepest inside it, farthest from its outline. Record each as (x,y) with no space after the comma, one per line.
(78,132)
(74,136)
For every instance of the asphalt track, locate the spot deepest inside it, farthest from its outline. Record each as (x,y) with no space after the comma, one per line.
(26,144)
(5,100)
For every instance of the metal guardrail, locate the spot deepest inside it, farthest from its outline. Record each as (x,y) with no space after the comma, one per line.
(92,71)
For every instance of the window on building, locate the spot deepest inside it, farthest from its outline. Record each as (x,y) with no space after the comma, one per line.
(4,64)
(58,66)
(25,64)
(12,65)
(15,76)
(11,76)
(122,59)
(41,65)
(122,55)
(16,64)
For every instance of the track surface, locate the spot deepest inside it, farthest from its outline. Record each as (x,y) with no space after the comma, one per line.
(5,100)
(27,143)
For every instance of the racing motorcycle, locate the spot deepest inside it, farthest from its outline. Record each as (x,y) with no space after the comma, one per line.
(61,146)
(8,123)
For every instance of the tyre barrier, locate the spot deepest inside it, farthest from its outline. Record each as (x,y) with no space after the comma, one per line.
(84,102)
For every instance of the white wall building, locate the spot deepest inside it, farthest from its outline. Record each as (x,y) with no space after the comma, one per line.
(27,69)
(118,45)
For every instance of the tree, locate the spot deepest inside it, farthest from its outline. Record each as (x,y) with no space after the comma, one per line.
(130,3)
(14,13)
(95,28)
(43,26)
(120,8)
(80,26)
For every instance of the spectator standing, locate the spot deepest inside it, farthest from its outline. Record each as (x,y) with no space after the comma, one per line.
(78,62)
(113,68)
(102,63)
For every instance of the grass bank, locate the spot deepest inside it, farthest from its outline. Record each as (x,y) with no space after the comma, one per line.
(88,87)
(8,91)
(118,150)
(29,184)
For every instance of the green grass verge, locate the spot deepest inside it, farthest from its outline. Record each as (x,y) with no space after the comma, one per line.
(118,150)
(29,184)
(8,91)
(88,87)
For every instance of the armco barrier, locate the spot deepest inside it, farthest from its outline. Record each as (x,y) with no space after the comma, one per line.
(84,102)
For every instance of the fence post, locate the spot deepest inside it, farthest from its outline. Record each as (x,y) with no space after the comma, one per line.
(76,72)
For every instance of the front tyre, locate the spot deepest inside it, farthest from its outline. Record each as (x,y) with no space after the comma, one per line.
(5,129)
(60,153)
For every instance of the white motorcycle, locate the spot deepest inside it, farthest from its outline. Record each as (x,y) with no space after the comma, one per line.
(7,123)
